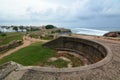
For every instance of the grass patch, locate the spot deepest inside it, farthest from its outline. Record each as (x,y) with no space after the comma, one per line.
(46,38)
(76,61)
(31,55)
(10,37)
(35,54)
(59,63)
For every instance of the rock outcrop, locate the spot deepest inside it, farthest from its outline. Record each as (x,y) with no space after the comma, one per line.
(112,34)
(7,68)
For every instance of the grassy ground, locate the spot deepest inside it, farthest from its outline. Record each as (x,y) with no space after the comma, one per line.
(30,55)
(59,63)
(35,54)
(76,61)
(10,37)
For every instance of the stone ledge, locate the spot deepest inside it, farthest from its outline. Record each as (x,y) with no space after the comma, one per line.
(7,68)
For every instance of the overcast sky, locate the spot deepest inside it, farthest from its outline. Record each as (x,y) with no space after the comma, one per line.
(80,12)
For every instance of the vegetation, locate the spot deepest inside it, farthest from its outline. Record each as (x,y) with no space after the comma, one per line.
(33,35)
(32,55)
(8,37)
(38,35)
(15,28)
(34,29)
(75,60)
(21,28)
(35,54)
(47,38)
(49,26)
(56,31)
(59,63)
(9,46)
(3,34)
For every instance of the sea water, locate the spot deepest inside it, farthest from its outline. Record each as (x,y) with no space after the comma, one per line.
(99,31)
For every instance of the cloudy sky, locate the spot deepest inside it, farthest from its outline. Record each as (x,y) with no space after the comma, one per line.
(64,12)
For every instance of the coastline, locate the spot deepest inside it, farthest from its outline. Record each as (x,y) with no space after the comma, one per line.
(94,37)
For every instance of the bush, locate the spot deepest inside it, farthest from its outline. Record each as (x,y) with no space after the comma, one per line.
(3,34)
(49,27)
(33,35)
(0,32)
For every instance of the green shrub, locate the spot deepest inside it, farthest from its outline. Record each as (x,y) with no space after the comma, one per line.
(3,34)
(49,26)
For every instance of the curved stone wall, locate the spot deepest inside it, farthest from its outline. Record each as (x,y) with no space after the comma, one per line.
(96,53)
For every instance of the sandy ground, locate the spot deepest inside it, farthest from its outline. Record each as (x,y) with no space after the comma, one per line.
(26,42)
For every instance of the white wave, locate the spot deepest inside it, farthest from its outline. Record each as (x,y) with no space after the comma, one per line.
(89,31)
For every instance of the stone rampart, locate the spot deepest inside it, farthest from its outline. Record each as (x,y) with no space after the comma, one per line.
(91,50)
(10,45)
(6,68)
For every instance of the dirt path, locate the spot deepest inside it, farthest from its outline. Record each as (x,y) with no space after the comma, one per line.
(26,42)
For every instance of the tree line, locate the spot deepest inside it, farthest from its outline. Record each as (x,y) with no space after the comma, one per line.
(21,28)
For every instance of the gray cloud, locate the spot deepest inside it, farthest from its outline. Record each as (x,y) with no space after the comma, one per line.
(82,11)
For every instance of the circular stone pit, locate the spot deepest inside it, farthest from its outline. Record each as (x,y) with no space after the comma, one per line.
(96,53)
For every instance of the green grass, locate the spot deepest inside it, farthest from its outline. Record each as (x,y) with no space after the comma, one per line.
(76,61)
(59,63)
(31,55)
(11,34)
(46,38)
(35,54)
(10,37)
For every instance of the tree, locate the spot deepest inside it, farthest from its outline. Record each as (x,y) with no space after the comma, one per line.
(21,28)
(3,34)
(34,29)
(7,27)
(15,28)
(27,29)
(0,32)
(49,26)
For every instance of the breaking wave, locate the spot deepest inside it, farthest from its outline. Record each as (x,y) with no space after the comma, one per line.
(89,31)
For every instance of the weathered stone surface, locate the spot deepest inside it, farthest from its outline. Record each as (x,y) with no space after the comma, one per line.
(6,68)
(106,69)
(92,51)
(112,34)
(10,45)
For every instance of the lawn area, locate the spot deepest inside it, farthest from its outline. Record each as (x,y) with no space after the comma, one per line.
(76,61)
(31,55)
(37,55)
(59,63)
(10,37)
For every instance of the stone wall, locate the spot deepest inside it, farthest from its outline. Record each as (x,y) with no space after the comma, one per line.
(90,50)
(10,45)
(6,68)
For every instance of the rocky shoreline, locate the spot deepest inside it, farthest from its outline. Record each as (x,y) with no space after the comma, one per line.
(112,34)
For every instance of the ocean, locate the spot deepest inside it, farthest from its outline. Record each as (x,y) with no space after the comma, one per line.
(98,31)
